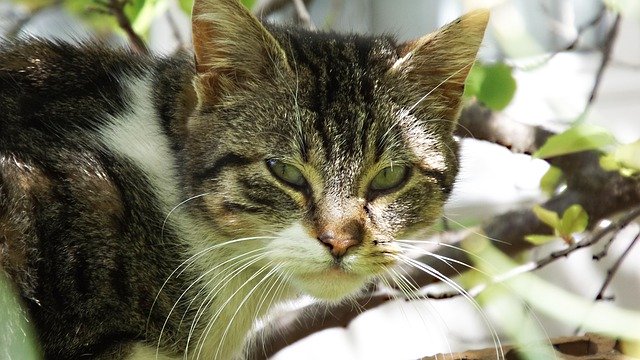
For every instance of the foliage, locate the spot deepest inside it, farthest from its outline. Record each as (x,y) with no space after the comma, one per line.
(577,138)
(624,158)
(16,334)
(551,180)
(493,85)
(573,220)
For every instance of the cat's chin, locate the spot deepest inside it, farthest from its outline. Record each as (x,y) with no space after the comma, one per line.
(332,285)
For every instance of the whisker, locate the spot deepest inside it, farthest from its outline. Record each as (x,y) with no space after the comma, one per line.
(191,260)
(421,298)
(445,259)
(200,344)
(244,300)
(474,232)
(164,223)
(433,272)
(193,283)
(440,84)
(213,292)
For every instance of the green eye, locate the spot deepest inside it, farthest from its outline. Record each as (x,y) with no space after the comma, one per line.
(287,173)
(389,178)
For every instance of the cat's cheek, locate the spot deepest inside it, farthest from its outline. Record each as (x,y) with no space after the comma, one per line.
(228,218)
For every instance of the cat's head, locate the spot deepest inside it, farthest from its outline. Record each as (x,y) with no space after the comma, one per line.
(330,145)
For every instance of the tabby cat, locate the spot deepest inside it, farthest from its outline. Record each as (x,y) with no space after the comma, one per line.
(157,207)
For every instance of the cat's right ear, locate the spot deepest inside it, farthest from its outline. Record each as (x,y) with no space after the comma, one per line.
(232,49)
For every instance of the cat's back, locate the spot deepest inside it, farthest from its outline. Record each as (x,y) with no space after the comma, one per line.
(53,90)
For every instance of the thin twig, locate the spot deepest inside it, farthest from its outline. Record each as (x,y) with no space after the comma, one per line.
(116,8)
(593,238)
(175,30)
(580,31)
(614,269)
(607,48)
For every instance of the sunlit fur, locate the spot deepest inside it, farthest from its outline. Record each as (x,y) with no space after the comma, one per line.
(218,239)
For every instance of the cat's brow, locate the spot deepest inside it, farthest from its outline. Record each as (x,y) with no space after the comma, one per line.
(227,160)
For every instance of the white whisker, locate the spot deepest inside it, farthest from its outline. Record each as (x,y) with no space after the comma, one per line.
(190,261)
(244,300)
(440,84)
(201,342)
(213,292)
(433,272)
(164,223)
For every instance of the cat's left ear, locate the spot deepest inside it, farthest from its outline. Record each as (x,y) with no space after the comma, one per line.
(434,67)
(232,49)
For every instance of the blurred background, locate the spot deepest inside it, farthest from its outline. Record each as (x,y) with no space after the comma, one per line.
(552,48)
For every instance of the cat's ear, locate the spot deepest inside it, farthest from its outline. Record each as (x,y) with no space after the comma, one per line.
(434,67)
(232,49)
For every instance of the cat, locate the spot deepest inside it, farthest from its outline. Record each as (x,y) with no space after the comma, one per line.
(157,207)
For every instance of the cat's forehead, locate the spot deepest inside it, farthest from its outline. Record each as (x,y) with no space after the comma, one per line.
(341,103)
(349,53)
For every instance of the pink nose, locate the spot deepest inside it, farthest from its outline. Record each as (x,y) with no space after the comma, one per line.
(338,245)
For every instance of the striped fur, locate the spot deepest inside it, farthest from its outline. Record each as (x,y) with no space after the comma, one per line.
(138,214)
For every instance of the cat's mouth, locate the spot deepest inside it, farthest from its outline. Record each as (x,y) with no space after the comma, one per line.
(332,284)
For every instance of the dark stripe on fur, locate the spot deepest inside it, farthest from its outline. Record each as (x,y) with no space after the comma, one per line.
(440,178)
(225,161)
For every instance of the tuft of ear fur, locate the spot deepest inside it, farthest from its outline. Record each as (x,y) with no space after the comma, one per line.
(232,49)
(436,65)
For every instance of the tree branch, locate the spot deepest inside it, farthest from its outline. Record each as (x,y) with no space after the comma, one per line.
(116,8)
(611,273)
(589,346)
(300,323)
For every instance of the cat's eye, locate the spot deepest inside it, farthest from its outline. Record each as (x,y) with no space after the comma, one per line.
(389,178)
(287,173)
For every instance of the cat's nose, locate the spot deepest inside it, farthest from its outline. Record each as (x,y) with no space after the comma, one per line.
(338,244)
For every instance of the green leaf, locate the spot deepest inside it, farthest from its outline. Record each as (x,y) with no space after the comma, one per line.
(88,12)
(550,180)
(547,216)
(608,162)
(133,8)
(578,138)
(625,159)
(186,5)
(17,336)
(629,155)
(540,239)
(149,11)
(474,80)
(498,86)
(574,220)
(248,3)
